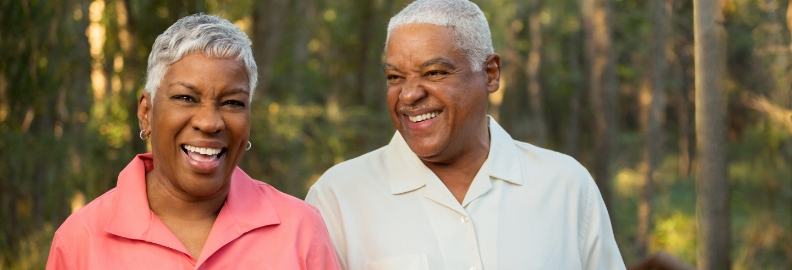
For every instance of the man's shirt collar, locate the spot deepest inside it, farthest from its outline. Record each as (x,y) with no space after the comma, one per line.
(407,172)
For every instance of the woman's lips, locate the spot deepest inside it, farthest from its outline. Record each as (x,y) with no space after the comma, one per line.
(203,160)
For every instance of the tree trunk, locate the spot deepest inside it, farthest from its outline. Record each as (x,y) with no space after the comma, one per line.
(538,127)
(712,187)
(509,108)
(573,131)
(652,102)
(363,97)
(681,100)
(602,92)
(127,37)
(268,18)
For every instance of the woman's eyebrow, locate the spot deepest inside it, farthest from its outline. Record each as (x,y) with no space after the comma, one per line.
(236,91)
(187,85)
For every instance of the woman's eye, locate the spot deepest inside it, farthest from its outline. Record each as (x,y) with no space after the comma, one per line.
(234,103)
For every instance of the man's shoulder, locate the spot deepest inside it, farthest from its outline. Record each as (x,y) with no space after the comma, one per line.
(367,167)
(550,162)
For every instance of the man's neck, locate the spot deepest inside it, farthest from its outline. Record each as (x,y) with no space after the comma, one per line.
(457,174)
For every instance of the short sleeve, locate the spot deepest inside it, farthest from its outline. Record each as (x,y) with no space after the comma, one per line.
(59,257)
(318,200)
(322,255)
(598,245)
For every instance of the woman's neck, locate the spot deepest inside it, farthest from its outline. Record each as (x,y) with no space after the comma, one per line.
(165,200)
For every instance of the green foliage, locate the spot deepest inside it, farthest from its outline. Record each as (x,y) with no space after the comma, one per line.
(63,143)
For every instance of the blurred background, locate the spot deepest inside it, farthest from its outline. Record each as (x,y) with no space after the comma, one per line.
(609,82)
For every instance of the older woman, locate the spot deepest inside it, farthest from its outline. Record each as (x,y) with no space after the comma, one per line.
(186,205)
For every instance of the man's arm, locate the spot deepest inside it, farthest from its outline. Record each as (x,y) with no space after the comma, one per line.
(334,228)
(598,245)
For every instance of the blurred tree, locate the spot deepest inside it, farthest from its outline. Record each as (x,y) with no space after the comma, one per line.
(572,134)
(652,101)
(533,64)
(712,189)
(602,92)
(268,26)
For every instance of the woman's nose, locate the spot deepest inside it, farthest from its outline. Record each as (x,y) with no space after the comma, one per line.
(207,119)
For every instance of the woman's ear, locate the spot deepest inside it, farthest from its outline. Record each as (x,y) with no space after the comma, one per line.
(144,112)
(492,67)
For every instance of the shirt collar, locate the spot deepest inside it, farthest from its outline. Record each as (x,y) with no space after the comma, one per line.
(246,208)
(408,173)
(504,155)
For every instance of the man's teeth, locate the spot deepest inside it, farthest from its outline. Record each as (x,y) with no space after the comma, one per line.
(202,151)
(422,117)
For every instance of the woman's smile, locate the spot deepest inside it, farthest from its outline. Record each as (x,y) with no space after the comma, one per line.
(203,159)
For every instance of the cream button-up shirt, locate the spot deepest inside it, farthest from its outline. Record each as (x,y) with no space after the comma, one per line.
(527,208)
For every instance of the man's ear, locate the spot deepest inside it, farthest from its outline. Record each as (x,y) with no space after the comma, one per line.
(492,67)
(144,113)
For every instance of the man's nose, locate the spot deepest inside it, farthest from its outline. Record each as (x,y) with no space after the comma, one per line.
(412,91)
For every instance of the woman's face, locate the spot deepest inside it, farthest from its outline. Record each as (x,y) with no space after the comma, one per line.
(199,124)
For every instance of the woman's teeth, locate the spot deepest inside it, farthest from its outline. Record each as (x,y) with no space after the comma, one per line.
(202,151)
(422,117)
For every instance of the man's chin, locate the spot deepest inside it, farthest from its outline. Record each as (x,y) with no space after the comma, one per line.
(425,152)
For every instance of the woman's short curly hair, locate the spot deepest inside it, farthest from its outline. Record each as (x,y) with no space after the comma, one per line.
(199,33)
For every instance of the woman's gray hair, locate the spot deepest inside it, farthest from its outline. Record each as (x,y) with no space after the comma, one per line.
(464,18)
(211,35)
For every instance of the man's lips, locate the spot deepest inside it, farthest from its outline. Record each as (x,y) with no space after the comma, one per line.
(420,121)
(423,117)
(203,159)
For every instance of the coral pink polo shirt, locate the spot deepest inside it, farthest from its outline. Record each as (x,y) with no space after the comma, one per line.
(258,227)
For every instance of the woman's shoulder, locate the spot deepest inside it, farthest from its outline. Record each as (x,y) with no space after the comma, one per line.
(89,219)
(285,203)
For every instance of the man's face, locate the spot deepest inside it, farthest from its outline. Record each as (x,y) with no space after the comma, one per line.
(437,102)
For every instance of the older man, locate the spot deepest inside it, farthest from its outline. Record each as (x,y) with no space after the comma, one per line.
(453,190)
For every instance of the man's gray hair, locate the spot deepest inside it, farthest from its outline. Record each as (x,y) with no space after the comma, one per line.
(199,33)
(464,18)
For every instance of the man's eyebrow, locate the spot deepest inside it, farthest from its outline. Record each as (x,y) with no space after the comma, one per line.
(438,60)
(433,61)
(387,67)
(187,85)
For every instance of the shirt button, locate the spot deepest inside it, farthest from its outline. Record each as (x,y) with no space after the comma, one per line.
(465,219)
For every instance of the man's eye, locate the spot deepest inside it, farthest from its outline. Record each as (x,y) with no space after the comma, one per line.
(435,73)
(183,98)
(392,77)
